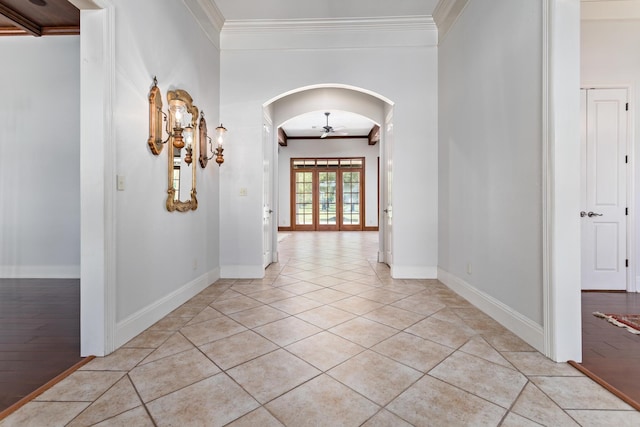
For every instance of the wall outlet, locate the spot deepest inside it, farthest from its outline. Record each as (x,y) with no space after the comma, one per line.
(468,268)
(195,263)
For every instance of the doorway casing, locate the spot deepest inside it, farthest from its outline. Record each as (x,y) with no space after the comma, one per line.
(324,97)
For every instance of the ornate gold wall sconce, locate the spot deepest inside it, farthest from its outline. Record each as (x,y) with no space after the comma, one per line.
(180,121)
(204,139)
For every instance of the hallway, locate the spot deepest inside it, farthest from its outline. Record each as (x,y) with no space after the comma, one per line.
(326,338)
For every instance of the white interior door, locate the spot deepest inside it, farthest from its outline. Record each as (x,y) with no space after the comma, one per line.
(604,189)
(267,214)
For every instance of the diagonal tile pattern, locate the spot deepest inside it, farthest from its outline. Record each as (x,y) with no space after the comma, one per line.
(327,337)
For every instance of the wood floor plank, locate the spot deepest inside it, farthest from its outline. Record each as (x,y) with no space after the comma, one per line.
(610,352)
(39,333)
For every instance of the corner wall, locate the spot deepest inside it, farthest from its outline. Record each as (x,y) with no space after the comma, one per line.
(396,59)
(162,257)
(490,161)
(154,260)
(40,157)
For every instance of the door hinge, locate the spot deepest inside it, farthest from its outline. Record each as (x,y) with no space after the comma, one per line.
(626,159)
(626,263)
(626,107)
(626,211)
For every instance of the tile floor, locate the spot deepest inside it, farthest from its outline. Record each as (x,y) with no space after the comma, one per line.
(327,338)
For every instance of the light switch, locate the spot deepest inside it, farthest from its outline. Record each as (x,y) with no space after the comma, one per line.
(243,191)
(120,182)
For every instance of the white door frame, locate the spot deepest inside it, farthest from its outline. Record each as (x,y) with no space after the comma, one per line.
(385,223)
(561,287)
(97,178)
(268,189)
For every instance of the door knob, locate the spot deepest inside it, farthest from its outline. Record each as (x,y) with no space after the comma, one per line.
(583,214)
(386,211)
(270,210)
(590,214)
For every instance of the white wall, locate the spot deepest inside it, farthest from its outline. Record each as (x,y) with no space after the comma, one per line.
(40,157)
(300,148)
(162,257)
(610,58)
(260,62)
(490,148)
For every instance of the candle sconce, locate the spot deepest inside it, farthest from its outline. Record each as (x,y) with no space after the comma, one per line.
(206,144)
(180,120)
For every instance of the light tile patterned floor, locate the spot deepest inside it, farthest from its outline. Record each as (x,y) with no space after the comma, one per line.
(327,338)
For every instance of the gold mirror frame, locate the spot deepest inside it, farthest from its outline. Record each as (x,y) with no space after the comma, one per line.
(155,119)
(202,128)
(180,96)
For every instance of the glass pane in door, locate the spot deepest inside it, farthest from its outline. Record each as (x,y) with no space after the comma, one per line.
(350,198)
(304,198)
(327,182)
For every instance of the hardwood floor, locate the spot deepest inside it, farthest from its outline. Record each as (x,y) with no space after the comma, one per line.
(610,352)
(39,333)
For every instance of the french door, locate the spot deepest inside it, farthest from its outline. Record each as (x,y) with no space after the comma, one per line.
(327,194)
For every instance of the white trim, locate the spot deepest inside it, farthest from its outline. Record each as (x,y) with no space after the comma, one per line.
(402,23)
(328,33)
(97,172)
(208,17)
(547,313)
(147,316)
(39,271)
(446,14)
(632,243)
(561,181)
(531,332)
(109,178)
(242,271)
(413,272)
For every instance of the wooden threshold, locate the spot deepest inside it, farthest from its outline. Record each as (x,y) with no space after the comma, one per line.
(37,392)
(628,400)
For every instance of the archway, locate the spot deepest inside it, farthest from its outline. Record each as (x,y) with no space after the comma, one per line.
(307,99)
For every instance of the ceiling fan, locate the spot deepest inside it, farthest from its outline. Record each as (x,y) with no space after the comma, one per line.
(329,130)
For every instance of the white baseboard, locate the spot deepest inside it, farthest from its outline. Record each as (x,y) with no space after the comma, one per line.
(637,289)
(142,319)
(242,272)
(413,272)
(525,328)
(39,271)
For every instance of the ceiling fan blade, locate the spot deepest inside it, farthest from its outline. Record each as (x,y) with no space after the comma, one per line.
(324,135)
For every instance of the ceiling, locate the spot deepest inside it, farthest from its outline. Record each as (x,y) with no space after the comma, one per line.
(50,17)
(310,125)
(38,17)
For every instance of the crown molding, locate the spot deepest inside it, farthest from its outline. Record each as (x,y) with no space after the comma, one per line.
(329,33)
(592,10)
(341,24)
(446,14)
(208,16)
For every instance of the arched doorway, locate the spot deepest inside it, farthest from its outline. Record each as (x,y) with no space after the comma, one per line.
(320,98)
